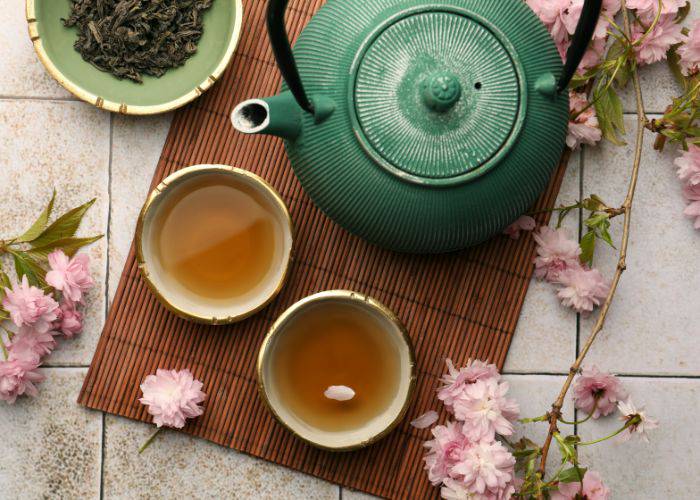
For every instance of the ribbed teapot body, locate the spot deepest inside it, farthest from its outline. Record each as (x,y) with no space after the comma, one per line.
(443,132)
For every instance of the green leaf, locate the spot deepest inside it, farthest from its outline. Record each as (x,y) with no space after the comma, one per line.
(563,213)
(605,234)
(39,224)
(594,203)
(4,283)
(70,246)
(572,475)
(25,265)
(4,280)
(567,447)
(596,220)
(587,247)
(610,116)
(63,227)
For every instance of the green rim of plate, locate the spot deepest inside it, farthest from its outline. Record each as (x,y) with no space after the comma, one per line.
(53,44)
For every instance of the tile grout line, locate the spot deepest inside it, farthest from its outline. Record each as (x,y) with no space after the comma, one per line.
(107,276)
(660,376)
(618,374)
(38,98)
(582,173)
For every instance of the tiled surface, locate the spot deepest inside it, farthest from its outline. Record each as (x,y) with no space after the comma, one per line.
(22,73)
(62,145)
(136,146)
(53,448)
(543,321)
(179,466)
(667,467)
(654,324)
(50,445)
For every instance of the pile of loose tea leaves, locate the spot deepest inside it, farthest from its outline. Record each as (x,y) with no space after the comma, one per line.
(130,38)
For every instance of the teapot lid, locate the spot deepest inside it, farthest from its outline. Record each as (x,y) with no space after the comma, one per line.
(436,95)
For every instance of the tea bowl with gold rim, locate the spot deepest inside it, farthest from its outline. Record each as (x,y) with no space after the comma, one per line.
(194,245)
(53,44)
(296,362)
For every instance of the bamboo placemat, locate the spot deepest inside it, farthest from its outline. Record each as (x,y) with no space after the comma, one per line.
(461,305)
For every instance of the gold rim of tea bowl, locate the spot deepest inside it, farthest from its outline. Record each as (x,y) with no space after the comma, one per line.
(162,190)
(120,107)
(342,296)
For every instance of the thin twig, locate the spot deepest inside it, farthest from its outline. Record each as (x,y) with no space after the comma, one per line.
(555,412)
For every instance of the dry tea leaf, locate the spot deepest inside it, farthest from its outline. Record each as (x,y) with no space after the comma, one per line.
(130,38)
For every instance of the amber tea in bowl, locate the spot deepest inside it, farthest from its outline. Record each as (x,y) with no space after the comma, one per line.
(337,369)
(214,243)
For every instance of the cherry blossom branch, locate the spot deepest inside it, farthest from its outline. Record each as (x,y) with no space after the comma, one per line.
(555,412)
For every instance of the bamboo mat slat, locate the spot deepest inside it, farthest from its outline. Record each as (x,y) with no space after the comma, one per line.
(460,306)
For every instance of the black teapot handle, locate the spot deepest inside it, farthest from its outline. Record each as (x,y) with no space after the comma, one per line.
(287,65)
(283,53)
(580,41)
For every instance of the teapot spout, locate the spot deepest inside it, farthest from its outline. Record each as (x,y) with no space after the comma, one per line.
(278,115)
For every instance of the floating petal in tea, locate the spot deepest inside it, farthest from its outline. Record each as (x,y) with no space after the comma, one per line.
(130,38)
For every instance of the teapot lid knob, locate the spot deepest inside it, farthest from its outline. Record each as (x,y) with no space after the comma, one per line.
(440,91)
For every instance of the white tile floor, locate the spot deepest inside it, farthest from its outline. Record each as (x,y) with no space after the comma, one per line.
(53,448)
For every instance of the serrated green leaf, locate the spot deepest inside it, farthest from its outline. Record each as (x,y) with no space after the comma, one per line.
(567,447)
(587,247)
(25,265)
(596,220)
(70,246)
(4,280)
(63,227)
(39,224)
(673,60)
(572,475)
(521,454)
(605,233)
(610,115)
(4,314)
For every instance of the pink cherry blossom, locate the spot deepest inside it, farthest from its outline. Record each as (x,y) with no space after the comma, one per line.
(172,397)
(29,345)
(70,276)
(70,320)
(689,52)
(584,127)
(639,422)
(572,14)
(555,253)
(28,305)
(487,470)
(655,46)
(17,378)
(524,223)
(454,490)
(444,451)
(692,195)
(590,488)
(485,411)
(649,8)
(552,13)
(597,390)
(425,420)
(456,382)
(689,166)
(582,288)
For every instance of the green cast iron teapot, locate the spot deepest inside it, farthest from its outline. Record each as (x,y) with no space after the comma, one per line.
(421,126)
